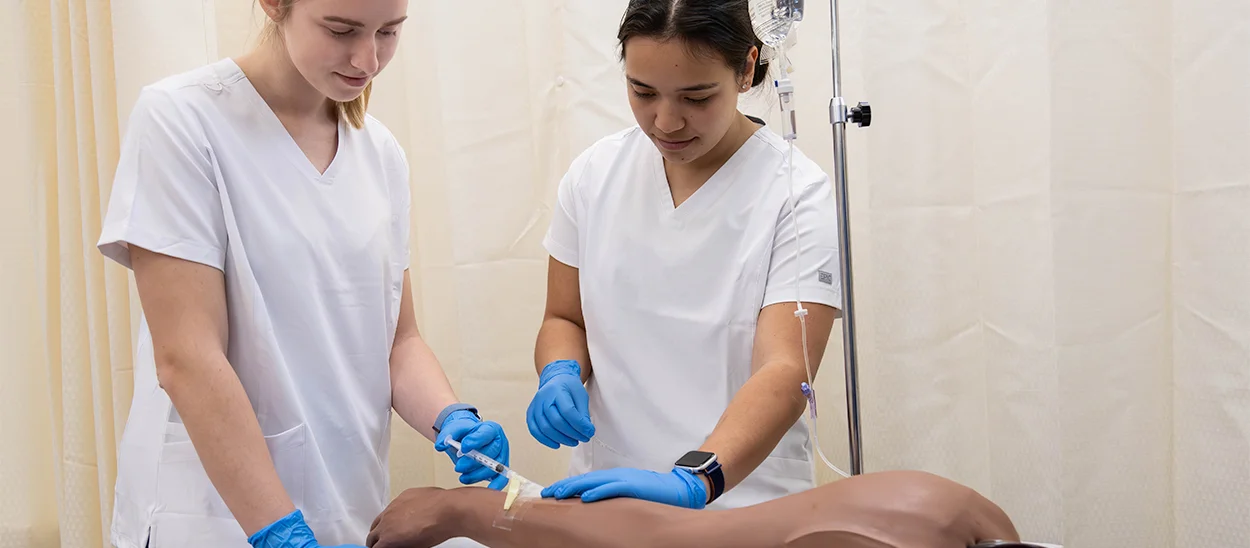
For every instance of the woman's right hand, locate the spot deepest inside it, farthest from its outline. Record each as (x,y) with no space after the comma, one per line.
(559,414)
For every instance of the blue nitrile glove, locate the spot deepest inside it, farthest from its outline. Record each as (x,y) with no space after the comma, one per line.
(289,532)
(473,433)
(676,488)
(559,414)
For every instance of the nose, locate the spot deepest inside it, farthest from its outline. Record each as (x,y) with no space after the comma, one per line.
(365,55)
(668,119)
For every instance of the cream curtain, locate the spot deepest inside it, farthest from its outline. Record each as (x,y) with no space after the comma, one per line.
(1049,219)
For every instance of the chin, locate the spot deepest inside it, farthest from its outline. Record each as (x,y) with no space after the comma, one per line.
(682,156)
(340,95)
(336,89)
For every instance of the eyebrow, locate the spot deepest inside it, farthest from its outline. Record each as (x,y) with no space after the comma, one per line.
(353,23)
(700,87)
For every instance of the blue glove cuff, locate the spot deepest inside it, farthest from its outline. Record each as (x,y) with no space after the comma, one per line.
(560,367)
(447,411)
(288,527)
(694,489)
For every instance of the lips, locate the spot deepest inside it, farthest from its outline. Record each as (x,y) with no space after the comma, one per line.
(674,145)
(354,82)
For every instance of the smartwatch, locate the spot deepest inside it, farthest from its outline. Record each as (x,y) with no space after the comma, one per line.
(705,464)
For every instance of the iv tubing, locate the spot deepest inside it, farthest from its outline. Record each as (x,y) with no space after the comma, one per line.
(800,312)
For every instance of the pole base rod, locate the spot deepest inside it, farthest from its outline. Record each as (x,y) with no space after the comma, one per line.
(839,116)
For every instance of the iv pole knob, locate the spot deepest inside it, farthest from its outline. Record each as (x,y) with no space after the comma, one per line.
(862,114)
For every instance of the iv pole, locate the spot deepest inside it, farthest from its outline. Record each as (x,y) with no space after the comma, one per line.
(839,116)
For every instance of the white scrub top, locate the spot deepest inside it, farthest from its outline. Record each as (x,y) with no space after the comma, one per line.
(313,266)
(671,296)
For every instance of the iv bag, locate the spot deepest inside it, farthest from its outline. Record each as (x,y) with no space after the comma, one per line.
(774,19)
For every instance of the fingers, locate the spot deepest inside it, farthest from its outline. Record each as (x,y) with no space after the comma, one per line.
(578,423)
(550,433)
(576,485)
(489,439)
(581,401)
(609,491)
(480,474)
(499,483)
(504,454)
(538,426)
(464,465)
(482,435)
(561,425)
(455,430)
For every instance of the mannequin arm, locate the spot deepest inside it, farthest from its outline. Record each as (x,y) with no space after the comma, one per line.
(889,509)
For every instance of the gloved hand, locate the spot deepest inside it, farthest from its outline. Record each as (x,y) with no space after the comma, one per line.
(473,433)
(289,532)
(559,414)
(676,488)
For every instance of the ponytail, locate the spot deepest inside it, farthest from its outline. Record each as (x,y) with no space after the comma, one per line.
(354,111)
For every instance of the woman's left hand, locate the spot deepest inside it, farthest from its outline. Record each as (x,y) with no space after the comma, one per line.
(676,488)
(473,433)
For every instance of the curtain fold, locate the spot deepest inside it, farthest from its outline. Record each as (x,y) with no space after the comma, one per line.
(1048,218)
(1210,272)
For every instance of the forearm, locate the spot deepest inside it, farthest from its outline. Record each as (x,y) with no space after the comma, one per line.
(227,437)
(620,523)
(872,510)
(756,419)
(561,339)
(419,387)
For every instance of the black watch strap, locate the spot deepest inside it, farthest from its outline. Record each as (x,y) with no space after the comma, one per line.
(718,481)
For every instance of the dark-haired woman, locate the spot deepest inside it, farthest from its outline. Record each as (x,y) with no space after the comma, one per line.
(670,356)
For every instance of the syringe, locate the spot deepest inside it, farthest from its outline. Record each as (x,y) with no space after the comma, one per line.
(517,484)
(486,461)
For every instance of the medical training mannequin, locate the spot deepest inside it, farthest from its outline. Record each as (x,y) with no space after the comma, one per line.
(265,217)
(880,510)
(670,357)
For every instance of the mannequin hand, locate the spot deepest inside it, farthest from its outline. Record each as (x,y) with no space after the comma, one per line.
(472,433)
(289,532)
(676,488)
(559,414)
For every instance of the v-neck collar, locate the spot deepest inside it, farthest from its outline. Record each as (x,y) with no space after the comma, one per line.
(710,190)
(282,137)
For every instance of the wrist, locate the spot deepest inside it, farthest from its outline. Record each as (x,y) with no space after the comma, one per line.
(462,514)
(696,490)
(450,515)
(282,527)
(708,488)
(560,367)
(454,410)
(706,466)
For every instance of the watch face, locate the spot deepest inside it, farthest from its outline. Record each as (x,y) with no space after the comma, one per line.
(695,459)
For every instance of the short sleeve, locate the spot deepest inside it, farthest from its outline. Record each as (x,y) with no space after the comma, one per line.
(813,254)
(562,236)
(401,208)
(164,196)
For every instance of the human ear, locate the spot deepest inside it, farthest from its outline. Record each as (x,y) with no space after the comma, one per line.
(753,58)
(272,8)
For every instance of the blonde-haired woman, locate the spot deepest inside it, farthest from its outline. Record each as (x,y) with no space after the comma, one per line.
(265,217)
